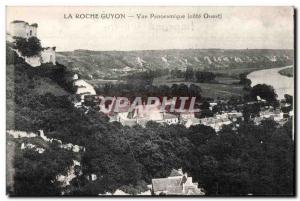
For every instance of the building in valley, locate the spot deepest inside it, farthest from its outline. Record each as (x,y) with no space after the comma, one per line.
(178,183)
(82,89)
(215,123)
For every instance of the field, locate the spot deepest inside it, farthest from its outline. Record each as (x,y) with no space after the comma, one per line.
(224,87)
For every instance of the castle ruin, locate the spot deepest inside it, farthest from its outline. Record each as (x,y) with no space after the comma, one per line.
(22,29)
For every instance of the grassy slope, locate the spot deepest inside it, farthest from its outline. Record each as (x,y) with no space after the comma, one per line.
(37,86)
(21,84)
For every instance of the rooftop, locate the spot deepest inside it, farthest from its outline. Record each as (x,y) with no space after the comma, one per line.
(175,173)
(169,116)
(34,25)
(19,21)
(176,184)
(23,22)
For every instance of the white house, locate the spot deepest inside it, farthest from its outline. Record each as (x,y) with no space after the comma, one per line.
(186,115)
(170,119)
(83,89)
(215,123)
(178,183)
(191,122)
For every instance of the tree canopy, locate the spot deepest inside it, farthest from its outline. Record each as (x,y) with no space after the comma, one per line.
(266,92)
(28,47)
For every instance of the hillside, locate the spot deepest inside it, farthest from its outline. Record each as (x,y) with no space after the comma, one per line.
(25,84)
(111,64)
(33,97)
(128,158)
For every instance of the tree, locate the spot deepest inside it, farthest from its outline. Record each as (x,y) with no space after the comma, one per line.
(204,76)
(189,74)
(266,92)
(205,105)
(253,159)
(250,111)
(200,134)
(194,91)
(28,47)
(245,81)
(288,98)
(35,174)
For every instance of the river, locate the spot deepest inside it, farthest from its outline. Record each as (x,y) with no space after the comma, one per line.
(282,84)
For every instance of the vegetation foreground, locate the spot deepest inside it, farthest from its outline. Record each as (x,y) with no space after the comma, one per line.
(251,160)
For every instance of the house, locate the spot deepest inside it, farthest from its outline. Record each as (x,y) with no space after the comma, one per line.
(257,120)
(259,99)
(276,115)
(150,114)
(186,115)
(221,116)
(215,123)
(127,69)
(191,122)
(141,115)
(91,177)
(234,115)
(33,147)
(71,174)
(83,89)
(177,183)
(212,104)
(75,77)
(170,118)
(119,192)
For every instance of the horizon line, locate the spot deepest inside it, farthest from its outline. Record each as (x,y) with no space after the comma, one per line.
(176,49)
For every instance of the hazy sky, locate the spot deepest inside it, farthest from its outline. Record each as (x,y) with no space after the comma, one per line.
(238,28)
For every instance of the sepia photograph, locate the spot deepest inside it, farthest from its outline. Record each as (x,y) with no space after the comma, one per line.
(150,101)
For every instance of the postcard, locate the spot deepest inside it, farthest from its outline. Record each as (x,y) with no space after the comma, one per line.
(150,101)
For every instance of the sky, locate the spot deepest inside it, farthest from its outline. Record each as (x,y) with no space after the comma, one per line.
(236,27)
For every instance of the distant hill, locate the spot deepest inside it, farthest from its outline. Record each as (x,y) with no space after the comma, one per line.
(106,64)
